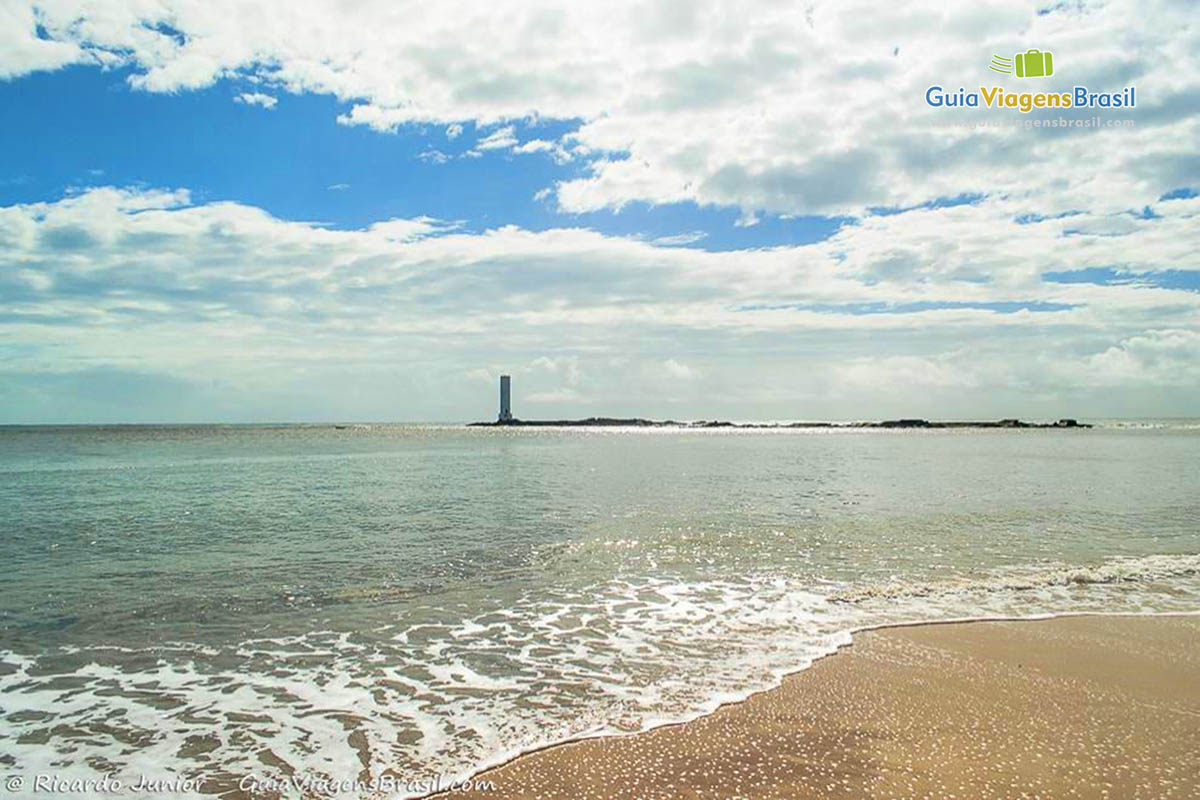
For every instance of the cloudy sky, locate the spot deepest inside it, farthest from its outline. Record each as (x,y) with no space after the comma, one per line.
(367,210)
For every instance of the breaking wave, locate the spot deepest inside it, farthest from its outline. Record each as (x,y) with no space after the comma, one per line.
(446,696)
(1121,570)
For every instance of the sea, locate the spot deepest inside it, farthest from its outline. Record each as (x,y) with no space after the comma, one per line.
(219,607)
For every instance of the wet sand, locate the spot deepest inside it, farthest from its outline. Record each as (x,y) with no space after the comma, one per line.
(1069,707)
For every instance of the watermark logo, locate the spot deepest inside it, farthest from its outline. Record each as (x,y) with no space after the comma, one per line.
(1032,63)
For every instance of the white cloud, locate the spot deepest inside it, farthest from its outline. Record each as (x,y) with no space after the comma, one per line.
(148,280)
(680,239)
(338,187)
(500,139)
(21,49)
(565,366)
(535,146)
(559,153)
(409,230)
(433,156)
(904,372)
(677,369)
(257,99)
(1156,357)
(759,105)
(765,107)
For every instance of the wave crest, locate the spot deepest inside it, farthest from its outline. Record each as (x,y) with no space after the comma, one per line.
(1120,570)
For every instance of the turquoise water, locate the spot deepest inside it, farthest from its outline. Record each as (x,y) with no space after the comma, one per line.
(223,601)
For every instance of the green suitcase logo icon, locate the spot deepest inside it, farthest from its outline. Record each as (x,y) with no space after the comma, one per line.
(1034,64)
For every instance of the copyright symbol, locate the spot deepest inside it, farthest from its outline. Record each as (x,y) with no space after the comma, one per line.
(14,784)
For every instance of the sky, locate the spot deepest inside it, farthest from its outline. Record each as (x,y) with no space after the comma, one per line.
(696,209)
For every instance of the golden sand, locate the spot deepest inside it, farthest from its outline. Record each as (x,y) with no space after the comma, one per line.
(1070,707)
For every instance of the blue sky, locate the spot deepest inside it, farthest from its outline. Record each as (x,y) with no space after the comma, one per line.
(80,126)
(308,211)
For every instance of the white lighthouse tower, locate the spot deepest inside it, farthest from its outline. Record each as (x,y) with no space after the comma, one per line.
(505,399)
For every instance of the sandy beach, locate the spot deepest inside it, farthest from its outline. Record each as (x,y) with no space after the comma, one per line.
(1067,707)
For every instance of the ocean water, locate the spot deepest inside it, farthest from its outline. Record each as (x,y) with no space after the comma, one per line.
(218,602)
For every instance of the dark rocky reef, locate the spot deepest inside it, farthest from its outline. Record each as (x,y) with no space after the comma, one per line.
(637,422)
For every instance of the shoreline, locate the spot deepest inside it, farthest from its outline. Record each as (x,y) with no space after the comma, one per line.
(505,770)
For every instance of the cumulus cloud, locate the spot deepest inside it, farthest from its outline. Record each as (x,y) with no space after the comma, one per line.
(535,146)
(677,369)
(554,149)
(433,156)
(256,99)
(150,281)
(24,51)
(501,139)
(1156,357)
(765,106)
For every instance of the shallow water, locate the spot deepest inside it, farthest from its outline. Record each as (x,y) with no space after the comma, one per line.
(224,601)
